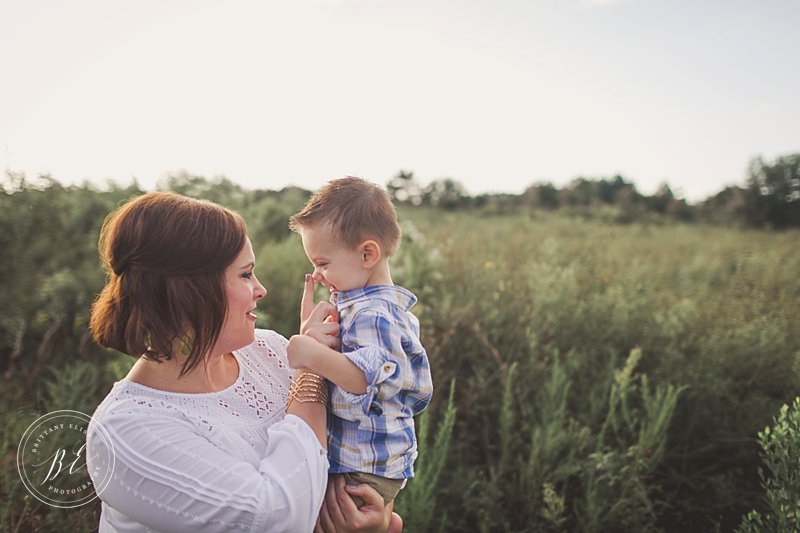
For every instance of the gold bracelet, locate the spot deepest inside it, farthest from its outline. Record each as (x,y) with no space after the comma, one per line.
(308,388)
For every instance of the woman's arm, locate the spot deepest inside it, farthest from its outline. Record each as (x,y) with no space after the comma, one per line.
(168,477)
(308,398)
(320,323)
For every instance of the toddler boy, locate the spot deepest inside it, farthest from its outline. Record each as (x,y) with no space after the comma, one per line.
(381,379)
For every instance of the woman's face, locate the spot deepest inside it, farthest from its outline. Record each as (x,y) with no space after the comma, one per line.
(242,292)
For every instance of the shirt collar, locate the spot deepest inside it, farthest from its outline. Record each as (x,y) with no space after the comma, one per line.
(395,294)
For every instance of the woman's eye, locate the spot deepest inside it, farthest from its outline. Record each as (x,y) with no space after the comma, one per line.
(247,275)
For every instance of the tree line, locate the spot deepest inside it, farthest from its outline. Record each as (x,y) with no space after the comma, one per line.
(711,310)
(770,197)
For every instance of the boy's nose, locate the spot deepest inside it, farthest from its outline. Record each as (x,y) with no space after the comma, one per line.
(316,276)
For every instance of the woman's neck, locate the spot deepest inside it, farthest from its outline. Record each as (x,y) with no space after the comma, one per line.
(214,374)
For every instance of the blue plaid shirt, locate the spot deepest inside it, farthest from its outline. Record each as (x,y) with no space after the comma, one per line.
(374,432)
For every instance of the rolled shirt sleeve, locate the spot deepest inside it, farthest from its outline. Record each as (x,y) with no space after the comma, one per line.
(379,353)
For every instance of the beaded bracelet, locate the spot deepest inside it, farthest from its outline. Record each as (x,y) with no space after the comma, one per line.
(307,388)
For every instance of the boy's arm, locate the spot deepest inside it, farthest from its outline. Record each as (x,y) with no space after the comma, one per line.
(306,352)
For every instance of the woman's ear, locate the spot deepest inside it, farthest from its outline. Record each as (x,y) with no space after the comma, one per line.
(370,253)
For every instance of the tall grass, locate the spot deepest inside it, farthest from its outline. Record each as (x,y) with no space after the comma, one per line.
(606,377)
(535,318)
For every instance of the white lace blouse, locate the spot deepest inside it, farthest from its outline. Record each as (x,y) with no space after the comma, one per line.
(222,461)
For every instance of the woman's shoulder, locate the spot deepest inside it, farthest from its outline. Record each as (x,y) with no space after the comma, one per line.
(268,346)
(267,343)
(270,336)
(123,410)
(265,364)
(129,400)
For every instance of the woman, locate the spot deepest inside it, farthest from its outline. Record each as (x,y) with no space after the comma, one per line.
(205,431)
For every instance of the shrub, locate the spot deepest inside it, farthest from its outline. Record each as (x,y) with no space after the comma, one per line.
(780,445)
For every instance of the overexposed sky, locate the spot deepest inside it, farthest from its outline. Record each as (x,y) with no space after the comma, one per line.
(495,94)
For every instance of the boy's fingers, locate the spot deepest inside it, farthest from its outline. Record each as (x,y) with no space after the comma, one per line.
(322,311)
(329,328)
(327,334)
(307,301)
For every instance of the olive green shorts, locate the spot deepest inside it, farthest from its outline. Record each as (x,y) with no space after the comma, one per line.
(388,488)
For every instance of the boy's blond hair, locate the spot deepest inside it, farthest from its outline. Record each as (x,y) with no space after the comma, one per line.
(356,209)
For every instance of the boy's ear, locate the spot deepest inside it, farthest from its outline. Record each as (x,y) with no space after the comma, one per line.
(370,253)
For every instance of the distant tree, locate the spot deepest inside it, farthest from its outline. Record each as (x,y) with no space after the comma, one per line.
(584,191)
(268,212)
(543,195)
(580,192)
(679,209)
(665,202)
(404,189)
(729,206)
(774,192)
(219,189)
(607,190)
(447,193)
(495,203)
(662,199)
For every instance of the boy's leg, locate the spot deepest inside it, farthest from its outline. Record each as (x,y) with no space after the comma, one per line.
(387,488)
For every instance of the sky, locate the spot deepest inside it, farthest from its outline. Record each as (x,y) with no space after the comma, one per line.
(497,95)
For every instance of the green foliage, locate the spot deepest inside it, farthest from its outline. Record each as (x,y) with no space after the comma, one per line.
(780,445)
(49,234)
(418,502)
(774,192)
(404,189)
(281,268)
(619,492)
(553,302)
(589,475)
(610,377)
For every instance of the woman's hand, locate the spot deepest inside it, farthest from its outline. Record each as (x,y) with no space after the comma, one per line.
(320,321)
(339,513)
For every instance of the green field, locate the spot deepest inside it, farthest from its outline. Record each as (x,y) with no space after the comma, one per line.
(601,377)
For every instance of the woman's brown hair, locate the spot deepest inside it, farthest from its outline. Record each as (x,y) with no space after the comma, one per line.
(165,257)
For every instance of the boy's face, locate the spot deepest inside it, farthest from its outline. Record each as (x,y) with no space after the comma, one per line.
(335,266)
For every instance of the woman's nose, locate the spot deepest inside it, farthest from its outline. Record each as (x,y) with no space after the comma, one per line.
(261,291)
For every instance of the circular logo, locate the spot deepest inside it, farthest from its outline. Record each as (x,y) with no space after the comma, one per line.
(52,459)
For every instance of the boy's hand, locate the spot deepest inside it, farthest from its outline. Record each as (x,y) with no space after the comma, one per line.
(320,321)
(300,351)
